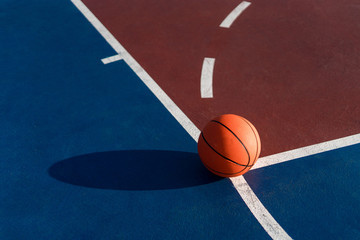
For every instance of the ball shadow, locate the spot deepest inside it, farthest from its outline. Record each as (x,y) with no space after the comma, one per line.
(133,170)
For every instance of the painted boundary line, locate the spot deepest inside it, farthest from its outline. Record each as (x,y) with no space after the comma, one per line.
(226,23)
(306,151)
(266,220)
(243,188)
(254,204)
(142,74)
(206,81)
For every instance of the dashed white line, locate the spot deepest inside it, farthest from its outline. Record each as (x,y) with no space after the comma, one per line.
(263,216)
(234,14)
(111,59)
(206,81)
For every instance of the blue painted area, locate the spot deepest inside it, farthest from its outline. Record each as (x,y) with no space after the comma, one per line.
(63,113)
(315,197)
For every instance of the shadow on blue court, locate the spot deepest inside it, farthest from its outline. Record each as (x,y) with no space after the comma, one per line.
(134,170)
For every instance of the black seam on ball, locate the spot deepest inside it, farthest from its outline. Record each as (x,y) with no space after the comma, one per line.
(256,139)
(202,135)
(226,173)
(248,164)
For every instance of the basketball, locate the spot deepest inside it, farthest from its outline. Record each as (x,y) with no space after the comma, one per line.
(229,145)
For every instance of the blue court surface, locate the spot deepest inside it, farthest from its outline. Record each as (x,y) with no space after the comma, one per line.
(88,152)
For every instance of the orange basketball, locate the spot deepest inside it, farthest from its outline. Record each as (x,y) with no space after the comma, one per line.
(229,145)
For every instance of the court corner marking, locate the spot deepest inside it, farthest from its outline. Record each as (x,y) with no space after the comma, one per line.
(184,121)
(187,124)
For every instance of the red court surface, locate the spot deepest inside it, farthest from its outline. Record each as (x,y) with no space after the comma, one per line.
(290,67)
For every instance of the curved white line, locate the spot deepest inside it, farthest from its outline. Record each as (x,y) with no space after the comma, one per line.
(234,14)
(206,81)
(244,190)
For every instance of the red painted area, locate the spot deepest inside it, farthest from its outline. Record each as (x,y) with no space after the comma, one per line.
(290,67)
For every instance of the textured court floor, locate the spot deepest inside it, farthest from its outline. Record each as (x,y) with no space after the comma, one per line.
(88,152)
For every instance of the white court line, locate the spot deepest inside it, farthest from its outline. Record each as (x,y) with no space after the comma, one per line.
(142,74)
(263,216)
(111,59)
(258,210)
(234,14)
(206,80)
(306,151)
